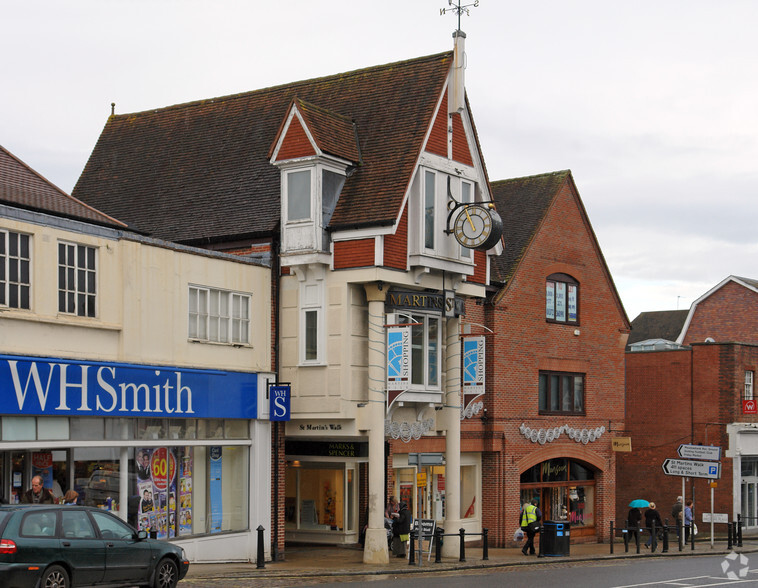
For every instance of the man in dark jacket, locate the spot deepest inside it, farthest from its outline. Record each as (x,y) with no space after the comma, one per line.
(37,494)
(530,524)
(401,528)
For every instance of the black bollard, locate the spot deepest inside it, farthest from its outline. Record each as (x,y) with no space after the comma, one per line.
(613,537)
(462,533)
(260,560)
(729,536)
(637,538)
(625,532)
(438,544)
(680,534)
(412,553)
(739,531)
(665,538)
(485,548)
(653,537)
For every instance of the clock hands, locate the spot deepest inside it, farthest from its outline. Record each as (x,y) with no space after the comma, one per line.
(468,216)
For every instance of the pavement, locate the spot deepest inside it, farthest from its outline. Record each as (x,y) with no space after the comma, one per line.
(318,561)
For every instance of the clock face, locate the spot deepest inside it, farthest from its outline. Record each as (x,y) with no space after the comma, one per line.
(476,226)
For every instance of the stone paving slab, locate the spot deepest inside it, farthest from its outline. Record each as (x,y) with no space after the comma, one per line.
(316,561)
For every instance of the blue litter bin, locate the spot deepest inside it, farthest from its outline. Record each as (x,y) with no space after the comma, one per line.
(555,538)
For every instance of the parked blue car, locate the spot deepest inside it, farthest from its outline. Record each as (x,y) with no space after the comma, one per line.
(56,546)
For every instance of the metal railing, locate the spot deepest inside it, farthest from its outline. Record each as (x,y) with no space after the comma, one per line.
(733,535)
(437,536)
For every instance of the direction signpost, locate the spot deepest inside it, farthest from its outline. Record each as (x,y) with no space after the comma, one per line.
(692,469)
(709,452)
(686,468)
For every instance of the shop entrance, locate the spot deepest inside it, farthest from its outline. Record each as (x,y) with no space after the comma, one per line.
(566,492)
(749,492)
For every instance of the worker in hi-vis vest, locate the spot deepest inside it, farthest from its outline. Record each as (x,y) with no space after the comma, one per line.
(530,524)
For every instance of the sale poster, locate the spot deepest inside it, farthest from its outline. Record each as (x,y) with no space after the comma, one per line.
(157,491)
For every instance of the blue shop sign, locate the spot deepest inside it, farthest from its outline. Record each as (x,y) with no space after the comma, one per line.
(279,403)
(64,387)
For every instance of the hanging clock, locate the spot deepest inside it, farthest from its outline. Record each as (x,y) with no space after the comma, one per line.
(478,226)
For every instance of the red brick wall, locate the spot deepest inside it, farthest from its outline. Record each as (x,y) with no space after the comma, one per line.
(461,150)
(729,314)
(296,143)
(358,253)
(674,397)
(396,246)
(523,343)
(480,268)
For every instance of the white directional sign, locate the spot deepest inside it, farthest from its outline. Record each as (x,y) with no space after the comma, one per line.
(717,517)
(692,469)
(710,452)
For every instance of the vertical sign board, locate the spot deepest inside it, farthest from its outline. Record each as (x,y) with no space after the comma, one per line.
(473,365)
(279,403)
(398,358)
(216,497)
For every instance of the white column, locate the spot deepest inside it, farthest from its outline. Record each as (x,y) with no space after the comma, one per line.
(123,483)
(375,548)
(452,417)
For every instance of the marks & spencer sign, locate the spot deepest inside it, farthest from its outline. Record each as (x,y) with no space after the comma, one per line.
(63,387)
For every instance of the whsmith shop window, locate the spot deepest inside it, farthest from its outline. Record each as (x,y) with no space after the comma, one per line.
(565,489)
(174,476)
(321,487)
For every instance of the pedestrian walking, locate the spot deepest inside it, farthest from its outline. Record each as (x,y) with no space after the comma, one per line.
(530,524)
(652,518)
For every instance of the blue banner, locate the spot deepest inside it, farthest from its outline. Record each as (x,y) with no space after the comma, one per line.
(216,496)
(65,387)
(279,403)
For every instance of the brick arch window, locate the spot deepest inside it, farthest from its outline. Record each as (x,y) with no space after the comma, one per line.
(562,299)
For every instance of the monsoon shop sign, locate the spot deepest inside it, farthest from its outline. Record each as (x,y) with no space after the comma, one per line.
(63,387)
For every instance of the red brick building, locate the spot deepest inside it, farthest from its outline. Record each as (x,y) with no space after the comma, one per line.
(555,330)
(689,380)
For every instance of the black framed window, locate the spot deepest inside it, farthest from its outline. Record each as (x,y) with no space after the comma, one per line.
(562,299)
(561,393)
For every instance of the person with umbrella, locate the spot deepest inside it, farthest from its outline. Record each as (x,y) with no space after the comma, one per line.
(634,518)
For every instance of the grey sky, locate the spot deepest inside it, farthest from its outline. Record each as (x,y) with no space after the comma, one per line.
(651,104)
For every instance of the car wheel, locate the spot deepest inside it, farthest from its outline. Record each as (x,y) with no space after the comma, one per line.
(166,574)
(55,577)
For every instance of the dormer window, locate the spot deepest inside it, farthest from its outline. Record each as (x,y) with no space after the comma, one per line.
(299,195)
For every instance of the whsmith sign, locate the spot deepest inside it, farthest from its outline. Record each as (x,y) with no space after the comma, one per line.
(64,387)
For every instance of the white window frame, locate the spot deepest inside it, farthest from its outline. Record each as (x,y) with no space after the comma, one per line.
(749,378)
(311,171)
(218,316)
(420,325)
(7,261)
(76,291)
(312,304)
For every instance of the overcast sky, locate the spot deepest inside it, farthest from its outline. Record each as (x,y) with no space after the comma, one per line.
(653,105)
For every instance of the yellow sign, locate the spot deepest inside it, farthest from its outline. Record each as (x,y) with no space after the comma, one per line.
(421,480)
(714,484)
(621,444)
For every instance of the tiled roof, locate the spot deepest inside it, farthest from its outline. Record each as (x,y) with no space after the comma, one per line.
(199,172)
(522,204)
(661,324)
(334,134)
(23,187)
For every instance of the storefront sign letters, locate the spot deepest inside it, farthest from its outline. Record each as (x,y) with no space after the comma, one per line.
(279,403)
(62,387)
(415,300)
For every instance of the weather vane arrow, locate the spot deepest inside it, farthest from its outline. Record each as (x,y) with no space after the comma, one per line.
(459,9)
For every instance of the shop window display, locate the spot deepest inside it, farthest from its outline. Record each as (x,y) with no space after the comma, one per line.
(566,489)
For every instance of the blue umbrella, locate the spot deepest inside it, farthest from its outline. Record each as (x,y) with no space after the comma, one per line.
(639,503)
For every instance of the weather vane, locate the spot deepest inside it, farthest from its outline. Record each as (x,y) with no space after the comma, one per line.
(459,9)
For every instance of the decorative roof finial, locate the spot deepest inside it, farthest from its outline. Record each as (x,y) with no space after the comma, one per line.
(459,9)
(113,108)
